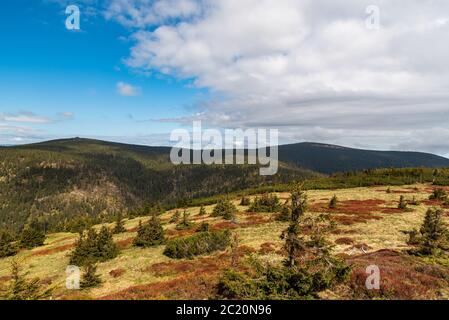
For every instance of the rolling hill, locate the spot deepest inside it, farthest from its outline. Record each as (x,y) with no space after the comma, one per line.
(60,182)
(330,159)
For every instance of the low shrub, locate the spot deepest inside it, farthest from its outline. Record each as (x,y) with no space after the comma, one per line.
(92,247)
(245,201)
(438,194)
(197,244)
(224,209)
(266,203)
(90,278)
(150,234)
(333,203)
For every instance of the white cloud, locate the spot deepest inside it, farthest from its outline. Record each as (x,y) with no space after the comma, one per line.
(24,117)
(309,67)
(127,90)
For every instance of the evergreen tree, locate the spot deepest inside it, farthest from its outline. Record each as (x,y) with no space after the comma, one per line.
(202,211)
(7,247)
(119,225)
(32,236)
(185,223)
(175,217)
(23,289)
(90,278)
(203,227)
(402,203)
(245,201)
(92,247)
(106,248)
(224,209)
(333,203)
(150,234)
(434,233)
(293,241)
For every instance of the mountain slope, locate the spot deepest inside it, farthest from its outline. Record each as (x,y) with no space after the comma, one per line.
(330,158)
(60,181)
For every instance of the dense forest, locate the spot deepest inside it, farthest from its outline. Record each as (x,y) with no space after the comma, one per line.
(60,183)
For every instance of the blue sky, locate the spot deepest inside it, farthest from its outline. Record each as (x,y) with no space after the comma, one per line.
(333,71)
(65,82)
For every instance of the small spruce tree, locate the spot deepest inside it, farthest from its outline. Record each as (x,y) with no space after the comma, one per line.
(402,203)
(245,201)
(202,211)
(333,203)
(32,236)
(434,234)
(23,289)
(7,246)
(185,222)
(150,234)
(224,209)
(293,241)
(175,217)
(90,278)
(119,225)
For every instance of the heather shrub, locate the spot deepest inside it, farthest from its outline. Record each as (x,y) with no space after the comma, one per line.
(197,244)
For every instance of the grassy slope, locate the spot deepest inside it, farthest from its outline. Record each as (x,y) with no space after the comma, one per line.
(149,274)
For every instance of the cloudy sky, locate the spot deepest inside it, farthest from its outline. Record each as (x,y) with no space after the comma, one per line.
(368,74)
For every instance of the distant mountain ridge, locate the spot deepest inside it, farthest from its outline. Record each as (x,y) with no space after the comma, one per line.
(326,158)
(62,180)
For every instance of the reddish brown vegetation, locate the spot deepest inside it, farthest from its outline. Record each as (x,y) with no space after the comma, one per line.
(116,273)
(344,240)
(198,279)
(184,287)
(124,244)
(402,277)
(45,252)
(267,247)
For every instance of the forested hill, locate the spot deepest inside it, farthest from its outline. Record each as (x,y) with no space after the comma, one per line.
(60,181)
(329,159)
